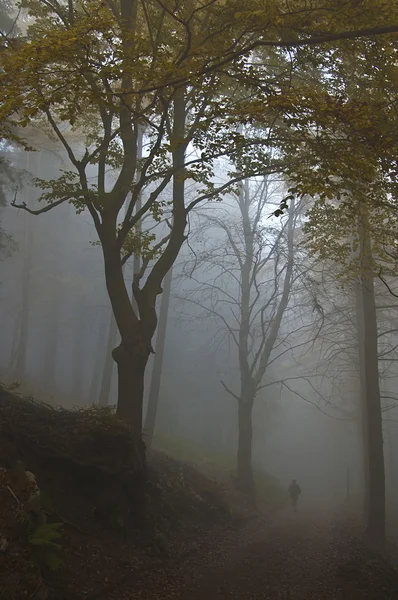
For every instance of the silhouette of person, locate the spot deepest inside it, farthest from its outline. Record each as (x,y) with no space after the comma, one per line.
(294,493)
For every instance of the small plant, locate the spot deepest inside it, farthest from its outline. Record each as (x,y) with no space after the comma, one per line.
(43,539)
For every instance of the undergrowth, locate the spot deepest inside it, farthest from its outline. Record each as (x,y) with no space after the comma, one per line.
(222,466)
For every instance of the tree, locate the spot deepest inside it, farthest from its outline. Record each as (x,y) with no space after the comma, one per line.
(8,177)
(99,357)
(359,254)
(7,21)
(342,154)
(111,140)
(154,389)
(375,475)
(104,69)
(244,279)
(107,372)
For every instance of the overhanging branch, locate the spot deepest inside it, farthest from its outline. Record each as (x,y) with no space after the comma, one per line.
(40,211)
(312,40)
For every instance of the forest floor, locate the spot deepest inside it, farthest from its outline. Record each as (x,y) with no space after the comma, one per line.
(182,532)
(303,556)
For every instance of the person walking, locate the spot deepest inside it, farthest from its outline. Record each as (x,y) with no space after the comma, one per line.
(294,493)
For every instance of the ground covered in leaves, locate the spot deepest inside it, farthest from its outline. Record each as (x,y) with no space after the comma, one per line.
(119,527)
(83,511)
(307,556)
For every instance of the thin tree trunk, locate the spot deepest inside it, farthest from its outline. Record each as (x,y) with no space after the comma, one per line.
(14,344)
(245,431)
(98,355)
(363,412)
(51,339)
(375,522)
(106,380)
(79,354)
(180,217)
(138,229)
(22,347)
(154,390)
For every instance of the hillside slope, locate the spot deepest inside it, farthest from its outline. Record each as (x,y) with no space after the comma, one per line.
(81,506)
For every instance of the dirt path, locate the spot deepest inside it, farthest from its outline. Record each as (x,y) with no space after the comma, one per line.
(290,557)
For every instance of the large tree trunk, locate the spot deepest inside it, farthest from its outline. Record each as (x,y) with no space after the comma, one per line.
(136,330)
(375,522)
(245,479)
(131,363)
(131,356)
(154,390)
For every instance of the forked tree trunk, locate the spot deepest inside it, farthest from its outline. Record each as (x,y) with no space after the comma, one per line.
(245,478)
(136,330)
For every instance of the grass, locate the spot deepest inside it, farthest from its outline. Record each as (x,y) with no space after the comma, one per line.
(221,467)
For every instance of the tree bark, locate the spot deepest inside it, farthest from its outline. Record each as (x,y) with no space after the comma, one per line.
(22,347)
(138,228)
(131,362)
(153,399)
(363,412)
(375,521)
(136,330)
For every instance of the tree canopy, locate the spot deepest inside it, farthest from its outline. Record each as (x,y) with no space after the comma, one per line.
(95,74)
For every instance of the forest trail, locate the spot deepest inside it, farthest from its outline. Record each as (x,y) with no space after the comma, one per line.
(291,557)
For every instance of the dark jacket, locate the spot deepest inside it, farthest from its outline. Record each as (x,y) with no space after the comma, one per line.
(294,490)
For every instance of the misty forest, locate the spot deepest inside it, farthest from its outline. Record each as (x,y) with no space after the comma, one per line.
(198,299)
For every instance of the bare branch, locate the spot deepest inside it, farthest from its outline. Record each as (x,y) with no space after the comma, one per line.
(230,391)
(314,404)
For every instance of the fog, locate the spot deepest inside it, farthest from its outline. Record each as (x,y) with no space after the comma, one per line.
(55,321)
